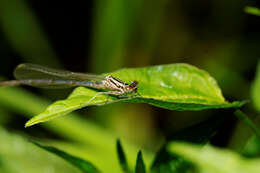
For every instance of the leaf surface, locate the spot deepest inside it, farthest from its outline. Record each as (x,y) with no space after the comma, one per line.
(174,87)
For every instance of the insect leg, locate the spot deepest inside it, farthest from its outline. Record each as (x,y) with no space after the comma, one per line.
(107,93)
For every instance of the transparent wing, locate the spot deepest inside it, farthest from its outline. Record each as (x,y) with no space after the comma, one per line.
(33,71)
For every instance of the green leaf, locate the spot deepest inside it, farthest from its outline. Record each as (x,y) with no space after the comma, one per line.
(122,157)
(255,94)
(253,11)
(174,87)
(214,160)
(83,165)
(200,133)
(140,166)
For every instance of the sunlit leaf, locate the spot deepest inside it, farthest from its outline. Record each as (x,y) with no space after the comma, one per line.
(83,165)
(214,160)
(140,166)
(174,87)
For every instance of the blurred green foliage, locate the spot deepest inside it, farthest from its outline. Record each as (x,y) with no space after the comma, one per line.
(72,127)
(140,166)
(253,10)
(252,147)
(83,165)
(17,154)
(255,94)
(215,160)
(102,36)
(25,34)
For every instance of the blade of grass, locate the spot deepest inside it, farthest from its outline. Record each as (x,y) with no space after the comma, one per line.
(122,158)
(83,165)
(140,166)
(244,118)
(19,155)
(112,16)
(255,94)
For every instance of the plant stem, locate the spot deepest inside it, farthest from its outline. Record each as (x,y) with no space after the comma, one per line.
(242,116)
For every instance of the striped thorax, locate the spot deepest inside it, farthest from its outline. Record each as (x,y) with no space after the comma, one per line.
(116,84)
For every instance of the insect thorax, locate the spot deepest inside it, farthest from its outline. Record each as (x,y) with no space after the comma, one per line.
(113,83)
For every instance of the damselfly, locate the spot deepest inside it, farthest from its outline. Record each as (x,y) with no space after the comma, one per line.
(39,76)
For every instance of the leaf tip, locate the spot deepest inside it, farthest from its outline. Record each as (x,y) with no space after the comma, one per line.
(121,157)
(119,145)
(139,155)
(140,166)
(238,104)
(29,123)
(118,142)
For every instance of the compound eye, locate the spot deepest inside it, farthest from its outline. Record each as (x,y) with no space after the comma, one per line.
(133,84)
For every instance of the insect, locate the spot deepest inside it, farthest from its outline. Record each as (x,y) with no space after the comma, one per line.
(40,76)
